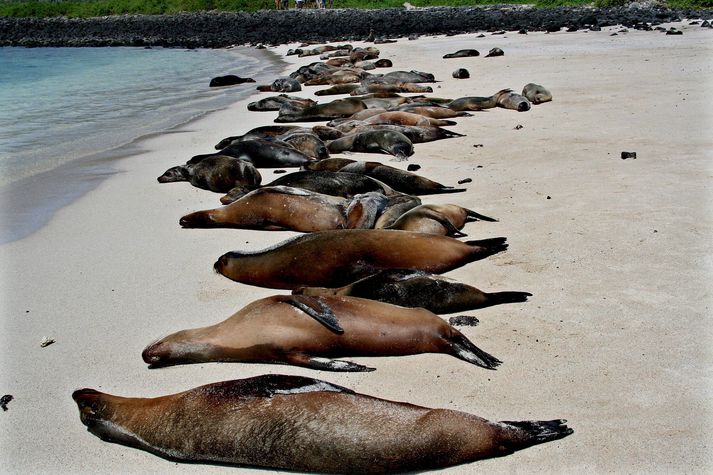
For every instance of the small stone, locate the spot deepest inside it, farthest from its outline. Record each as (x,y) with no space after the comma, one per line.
(549,197)
(518,126)
(413,36)
(706,24)
(625,155)
(614,34)
(478,145)
(465,180)
(480,36)
(5,400)
(413,167)
(595,28)
(46,342)
(463,320)
(479,166)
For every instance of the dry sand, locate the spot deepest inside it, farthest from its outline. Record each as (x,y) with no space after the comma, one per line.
(616,339)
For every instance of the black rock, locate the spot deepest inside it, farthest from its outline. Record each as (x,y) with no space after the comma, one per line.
(706,24)
(625,155)
(595,28)
(229,80)
(5,400)
(463,320)
(465,180)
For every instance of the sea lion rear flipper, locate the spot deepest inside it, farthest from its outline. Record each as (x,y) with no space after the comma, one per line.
(451,230)
(536,432)
(325,364)
(317,309)
(478,216)
(464,349)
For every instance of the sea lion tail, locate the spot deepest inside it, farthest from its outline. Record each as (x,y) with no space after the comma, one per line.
(464,349)
(478,216)
(497,298)
(529,433)
(488,247)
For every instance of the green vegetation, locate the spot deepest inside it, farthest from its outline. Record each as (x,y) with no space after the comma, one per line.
(90,8)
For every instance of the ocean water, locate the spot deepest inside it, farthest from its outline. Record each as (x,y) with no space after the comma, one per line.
(61,108)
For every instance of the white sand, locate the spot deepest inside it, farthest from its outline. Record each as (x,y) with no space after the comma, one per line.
(616,339)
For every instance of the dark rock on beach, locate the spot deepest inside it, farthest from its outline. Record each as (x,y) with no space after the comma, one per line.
(222,29)
(5,400)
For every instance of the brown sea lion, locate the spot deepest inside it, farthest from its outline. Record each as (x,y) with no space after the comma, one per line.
(275,208)
(273,103)
(367,88)
(462,53)
(400,180)
(326,182)
(310,331)
(266,131)
(446,220)
(414,134)
(262,153)
(434,112)
(219,173)
(406,118)
(337,89)
(362,54)
(337,77)
(514,101)
(409,288)
(536,93)
(331,164)
(331,110)
(336,258)
(475,103)
(369,210)
(396,77)
(382,100)
(374,141)
(303,424)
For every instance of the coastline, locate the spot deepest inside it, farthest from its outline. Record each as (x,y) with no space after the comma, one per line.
(611,339)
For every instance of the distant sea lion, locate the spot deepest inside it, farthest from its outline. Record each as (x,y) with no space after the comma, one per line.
(514,101)
(462,53)
(274,103)
(409,288)
(310,331)
(415,134)
(336,258)
(337,89)
(219,173)
(461,73)
(342,76)
(434,112)
(229,80)
(494,52)
(337,108)
(396,77)
(406,118)
(383,63)
(446,220)
(282,85)
(374,87)
(536,93)
(374,141)
(303,424)
(266,131)
(399,180)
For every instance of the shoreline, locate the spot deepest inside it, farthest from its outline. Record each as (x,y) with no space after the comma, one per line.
(611,339)
(28,203)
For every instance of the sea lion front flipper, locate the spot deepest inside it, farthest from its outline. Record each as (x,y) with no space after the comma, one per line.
(317,309)
(473,216)
(325,364)
(464,349)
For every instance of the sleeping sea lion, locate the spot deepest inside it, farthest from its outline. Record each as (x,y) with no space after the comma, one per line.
(375,87)
(303,424)
(337,89)
(336,258)
(462,53)
(274,103)
(307,143)
(396,77)
(475,103)
(219,173)
(310,331)
(262,153)
(406,118)
(494,52)
(331,110)
(446,220)
(434,112)
(265,131)
(536,93)
(286,84)
(374,141)
(514,101)
(409,288)
(400,180)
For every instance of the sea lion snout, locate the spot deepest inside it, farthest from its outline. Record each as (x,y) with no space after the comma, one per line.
(89,404)
(199,219)
(523,106)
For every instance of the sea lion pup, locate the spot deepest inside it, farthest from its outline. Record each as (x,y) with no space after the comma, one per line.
(303,424)
(475,103)
(310,331)
(330,110)
(336,258)
(262,153)
(495,52)
(308,143)
(337,89)
(407,118)
(368,210)
(446,220)
(219,173)
(326,182)
(273,103)
(408,288)
(514,101)
(376,87)
(400,180)
(266,131)
(374,141)
(275,208)
(286,84)
(434,112)
(536,93)
(462,53)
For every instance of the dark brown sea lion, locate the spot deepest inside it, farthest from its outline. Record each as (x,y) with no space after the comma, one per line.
(341,76)
(461,73)
(462,53)
(362,54)
(266,131)
(383,100)
(282,85)
(303,424)
(434,112)
(273,103)
(337,89)
(275,208)
(396,77)
(219,173)
(414,134)
(331,110)
(331,164)
(514,101)
(475,103)
(374,141)
(307,143)
(311,331)
(229,80)
(536,93)
(262,153)
(338,61)
(495,52)
(446,220)
(336,258)
(368,88)
(409,288)
(406,118)
(326,182)
(399,180)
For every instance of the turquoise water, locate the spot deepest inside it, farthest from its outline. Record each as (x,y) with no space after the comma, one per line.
(63,111)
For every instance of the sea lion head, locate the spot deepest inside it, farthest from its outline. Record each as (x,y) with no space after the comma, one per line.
(173,174)
(199,219)
(182,347)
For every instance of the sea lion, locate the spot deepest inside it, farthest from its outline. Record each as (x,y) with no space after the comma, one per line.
(406,118)
(326,182)
(383,100)
(514,101)
(495,52)
(331,110)
(310,331)
(275,208)
(461,73)
(399,180)
(396,77)
(331,164)
(362,54)
(262,153)
(434,112)
(446,220)
(338,61)
(303,424)
(286,84)
(370,210)
(475,103)
(307,143)
(536,93)
(219,173)
(336,258)
(374,141)
(337,89)
(409,288)
(368,88)
(266,131)
(273,103)
(342,76)
(229,80)
(462,53)
(414,134)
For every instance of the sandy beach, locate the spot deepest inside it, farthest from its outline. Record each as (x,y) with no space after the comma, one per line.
(616,338)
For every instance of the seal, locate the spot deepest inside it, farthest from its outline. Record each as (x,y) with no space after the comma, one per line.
(495,52)
(341,184)
(415,134)
(400,180)
(267,131)
(219,173)
(512,100)
(536,93)
(409,288)
(307,143)
(461,73)
(337,258)
(286,84)
(369,88)
(396,77)
(261,153)
(337,89)
(462,53)
(434,112)
(331,110)
(407,118)
(273,103)
(476,103)
(446,220)
(303,424)
(308,331)
(229,80)
(374,141)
